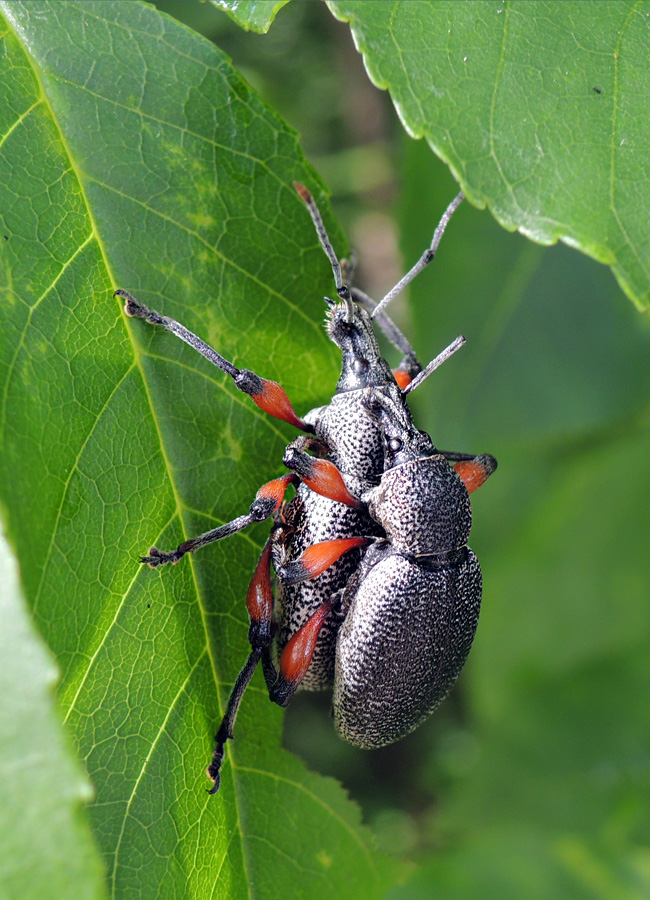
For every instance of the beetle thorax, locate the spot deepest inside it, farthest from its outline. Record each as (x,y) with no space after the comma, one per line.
(423,507)
(355,444)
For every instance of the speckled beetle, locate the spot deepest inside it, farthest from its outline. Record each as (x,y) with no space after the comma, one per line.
(377,593)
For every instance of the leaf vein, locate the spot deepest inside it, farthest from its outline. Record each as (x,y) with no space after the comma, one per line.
(21,342)
(235,396)
(107,630)
(316,799)
(145,762)
(74,468)
(212,249)
(612,178)
(493,103)
(21,118)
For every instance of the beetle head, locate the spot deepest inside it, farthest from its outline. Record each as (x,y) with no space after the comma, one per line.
(350,327)
(402,440)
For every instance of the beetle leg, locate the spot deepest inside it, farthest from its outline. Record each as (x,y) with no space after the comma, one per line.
(319,557)
(404,374)
(225,731)
(297,656)
(474,470)
(320,475)
(267,500)
(268,395)
(259,603)
(294,662)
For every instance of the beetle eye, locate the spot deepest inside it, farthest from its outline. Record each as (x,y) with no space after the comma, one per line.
(395,444)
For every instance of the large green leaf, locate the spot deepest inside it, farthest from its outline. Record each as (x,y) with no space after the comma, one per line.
(46,850)
(539,109)
(134,156)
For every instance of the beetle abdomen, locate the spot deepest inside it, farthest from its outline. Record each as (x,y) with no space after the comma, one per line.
(402,645)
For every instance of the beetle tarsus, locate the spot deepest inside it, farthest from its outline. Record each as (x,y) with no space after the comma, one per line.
(158,557)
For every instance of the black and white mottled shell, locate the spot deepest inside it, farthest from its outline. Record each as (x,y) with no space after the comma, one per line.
(403,643)
(355,443)
(423,507)
(356,447)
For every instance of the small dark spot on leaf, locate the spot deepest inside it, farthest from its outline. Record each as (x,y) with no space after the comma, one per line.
(6,237)
(598,90)
(148,605)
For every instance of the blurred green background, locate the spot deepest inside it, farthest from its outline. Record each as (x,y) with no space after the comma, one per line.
(532,780)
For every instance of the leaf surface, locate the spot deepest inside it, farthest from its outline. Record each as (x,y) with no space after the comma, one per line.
(40,781)
(539,109)
(134,156)
(252,15)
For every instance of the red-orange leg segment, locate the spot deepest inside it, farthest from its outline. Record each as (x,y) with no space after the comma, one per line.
(272,399)
(259,601)
(297,656)
(402,378)
(275,491)
(326,480)
(320,475)
(319,557)
(268,395)
(475,472)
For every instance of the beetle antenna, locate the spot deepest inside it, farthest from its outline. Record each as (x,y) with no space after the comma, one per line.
(319,225)
(435,364)
(346,297)
(426,257)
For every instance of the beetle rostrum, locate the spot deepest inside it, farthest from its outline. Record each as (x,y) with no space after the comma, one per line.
(376,592)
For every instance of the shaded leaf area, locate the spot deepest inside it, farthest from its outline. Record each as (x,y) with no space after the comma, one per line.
(539,109)
(543,778)
(35,762)
(132,155)
(252,15)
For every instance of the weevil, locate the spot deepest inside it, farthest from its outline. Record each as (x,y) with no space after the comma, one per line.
(376,593)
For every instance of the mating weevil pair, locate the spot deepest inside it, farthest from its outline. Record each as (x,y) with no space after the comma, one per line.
(376,593)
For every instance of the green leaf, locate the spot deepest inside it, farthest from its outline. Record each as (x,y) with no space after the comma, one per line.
(134,156)
(539,109)
(40,782)
(251,15)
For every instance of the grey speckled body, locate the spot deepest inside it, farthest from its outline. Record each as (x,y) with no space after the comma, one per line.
(354,443)
(356,446)
(423,507)
(316,519)
(404,640)
(412,610)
